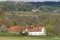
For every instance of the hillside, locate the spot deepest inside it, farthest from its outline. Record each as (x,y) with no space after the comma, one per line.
(28,6)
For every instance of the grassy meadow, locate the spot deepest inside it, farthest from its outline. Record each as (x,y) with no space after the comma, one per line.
(28,38)
(8,36)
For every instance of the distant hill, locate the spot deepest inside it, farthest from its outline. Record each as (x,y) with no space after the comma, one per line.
(27,6)
(48,3)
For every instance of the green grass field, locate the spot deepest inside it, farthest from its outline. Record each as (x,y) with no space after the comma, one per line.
(8,36)
(28,38)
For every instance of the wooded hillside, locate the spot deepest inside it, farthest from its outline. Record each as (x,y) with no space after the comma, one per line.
(20,13)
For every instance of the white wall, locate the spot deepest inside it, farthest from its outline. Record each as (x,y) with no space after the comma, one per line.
(38,33)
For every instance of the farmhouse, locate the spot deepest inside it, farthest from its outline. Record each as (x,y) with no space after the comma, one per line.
(35,30)
(31,30)
(16,29)
(13,29)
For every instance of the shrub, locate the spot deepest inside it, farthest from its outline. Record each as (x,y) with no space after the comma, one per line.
(49,29)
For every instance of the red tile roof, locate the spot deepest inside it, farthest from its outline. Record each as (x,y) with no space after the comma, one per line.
(35,29)
(16,28)
(13,28)
(22,28)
